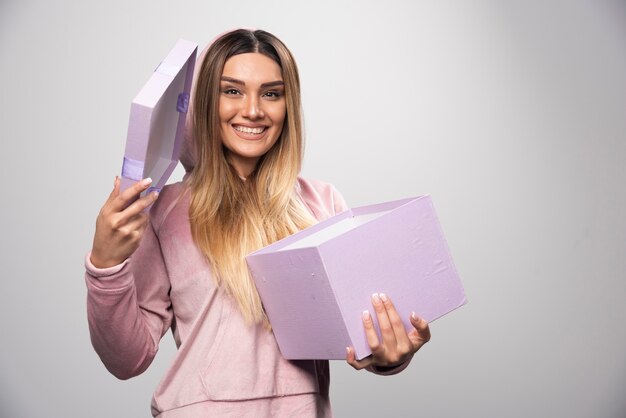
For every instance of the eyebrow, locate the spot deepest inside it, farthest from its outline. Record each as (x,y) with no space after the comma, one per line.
(264,85)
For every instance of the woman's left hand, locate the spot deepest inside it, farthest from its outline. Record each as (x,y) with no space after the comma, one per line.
(397,346)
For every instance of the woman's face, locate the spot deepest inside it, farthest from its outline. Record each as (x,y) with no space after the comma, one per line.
(252,108)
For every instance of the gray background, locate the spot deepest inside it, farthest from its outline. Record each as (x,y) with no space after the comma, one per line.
(511,114)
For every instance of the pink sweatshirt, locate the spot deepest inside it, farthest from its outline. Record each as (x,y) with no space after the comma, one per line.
(223,366)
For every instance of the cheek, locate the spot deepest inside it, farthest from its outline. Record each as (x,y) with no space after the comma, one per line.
(226,111)
(278,115)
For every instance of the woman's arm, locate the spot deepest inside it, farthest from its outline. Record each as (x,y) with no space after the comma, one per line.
(128,305)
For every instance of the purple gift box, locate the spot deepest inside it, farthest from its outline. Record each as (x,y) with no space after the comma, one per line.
(316,283)
(157,119)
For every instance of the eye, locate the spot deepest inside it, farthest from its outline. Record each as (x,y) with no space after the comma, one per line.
(231,91)
(273,94)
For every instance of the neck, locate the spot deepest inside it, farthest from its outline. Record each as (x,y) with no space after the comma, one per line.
(242,165)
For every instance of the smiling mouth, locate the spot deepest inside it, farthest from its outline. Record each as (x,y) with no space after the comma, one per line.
(248,130)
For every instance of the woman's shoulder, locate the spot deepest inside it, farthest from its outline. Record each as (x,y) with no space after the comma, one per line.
(321,197)
(172,198)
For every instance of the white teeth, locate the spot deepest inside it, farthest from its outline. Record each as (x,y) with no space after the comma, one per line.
(248,130)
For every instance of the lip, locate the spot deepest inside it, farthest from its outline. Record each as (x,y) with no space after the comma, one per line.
(250,136)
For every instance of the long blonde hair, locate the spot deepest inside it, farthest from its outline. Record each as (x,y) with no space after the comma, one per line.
(231,217)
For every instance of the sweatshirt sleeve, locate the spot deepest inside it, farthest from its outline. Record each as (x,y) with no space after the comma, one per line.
(339,203)
(128,308)
(389,371)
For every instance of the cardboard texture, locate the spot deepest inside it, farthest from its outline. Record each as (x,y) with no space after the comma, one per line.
(157,119)
(315,284)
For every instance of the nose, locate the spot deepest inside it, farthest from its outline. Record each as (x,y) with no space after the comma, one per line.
(252,108)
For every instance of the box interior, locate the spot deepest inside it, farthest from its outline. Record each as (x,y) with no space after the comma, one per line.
(380,209)
(163,125)
(333,230)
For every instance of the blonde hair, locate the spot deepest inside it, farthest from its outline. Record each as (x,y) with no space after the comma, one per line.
(231,217)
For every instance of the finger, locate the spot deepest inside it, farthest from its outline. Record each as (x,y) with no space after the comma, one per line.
(420,335)
(138,206)
(386,331)
(112,196)
(371,335)
(400,333)
(119,221)
(116,188)
(124,198)
(130,237)
(357,364)
(136,225)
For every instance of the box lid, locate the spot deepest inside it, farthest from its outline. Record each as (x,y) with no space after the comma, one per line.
(157,119)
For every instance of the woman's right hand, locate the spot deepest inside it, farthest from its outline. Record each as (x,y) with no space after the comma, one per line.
(121,225)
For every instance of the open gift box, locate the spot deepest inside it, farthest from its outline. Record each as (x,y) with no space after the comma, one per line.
(316,283)
(157,119)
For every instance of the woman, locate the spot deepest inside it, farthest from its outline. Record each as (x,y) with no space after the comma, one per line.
(187,271)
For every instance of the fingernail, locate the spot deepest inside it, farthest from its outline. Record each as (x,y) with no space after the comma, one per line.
(375,298)
(384,297)
(366,315)
(348,350)
(155,195)
(146,181)
(414,316)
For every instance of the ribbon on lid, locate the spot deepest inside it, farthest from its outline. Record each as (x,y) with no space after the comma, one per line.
(132,169)
(183,102)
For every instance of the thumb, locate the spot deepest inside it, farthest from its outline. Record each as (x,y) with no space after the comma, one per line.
(420,335)
(116,188)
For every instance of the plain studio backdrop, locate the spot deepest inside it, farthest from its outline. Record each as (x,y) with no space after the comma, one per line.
(510,114)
